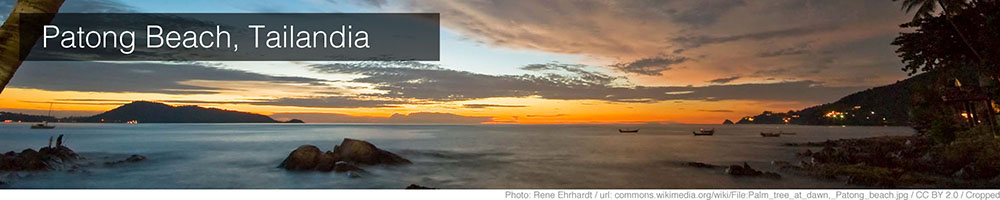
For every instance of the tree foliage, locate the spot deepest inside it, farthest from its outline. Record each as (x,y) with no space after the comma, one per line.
(936,45)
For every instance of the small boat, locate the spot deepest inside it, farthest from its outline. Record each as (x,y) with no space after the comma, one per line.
(628,130)
(43,125)
(772,134)
(703,132)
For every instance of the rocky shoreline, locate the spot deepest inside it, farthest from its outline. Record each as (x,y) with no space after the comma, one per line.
(899,162)
(14,165)
(45,159)
(972,161)
(743,170)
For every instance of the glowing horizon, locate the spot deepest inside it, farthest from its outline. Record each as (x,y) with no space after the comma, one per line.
(504,61)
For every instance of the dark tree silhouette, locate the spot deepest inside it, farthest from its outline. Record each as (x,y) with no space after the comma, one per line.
(935,45)
(927,8)
(10,38)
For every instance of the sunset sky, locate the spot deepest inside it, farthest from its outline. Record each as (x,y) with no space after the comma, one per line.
(503,61)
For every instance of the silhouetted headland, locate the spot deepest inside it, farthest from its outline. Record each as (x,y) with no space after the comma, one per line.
(154,112)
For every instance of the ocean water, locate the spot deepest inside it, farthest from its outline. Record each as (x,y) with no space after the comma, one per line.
(444,156)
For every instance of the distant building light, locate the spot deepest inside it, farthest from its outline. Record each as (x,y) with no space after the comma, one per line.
(835,114)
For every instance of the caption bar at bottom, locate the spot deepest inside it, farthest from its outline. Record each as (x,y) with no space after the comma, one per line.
(754,194)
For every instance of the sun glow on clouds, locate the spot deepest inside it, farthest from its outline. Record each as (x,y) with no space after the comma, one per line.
(528,110)
(553,93)
(533,62)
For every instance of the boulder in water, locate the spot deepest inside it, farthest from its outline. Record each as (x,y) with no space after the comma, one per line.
(343,158)
(327,162)
(130,159)
(746,170)
(346,167)
(135,158)
(362,152)
(415,186)
(306,157)
(700,165)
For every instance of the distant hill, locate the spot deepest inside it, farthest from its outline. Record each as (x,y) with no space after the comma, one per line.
(24,117)
(884,105)
(152,112)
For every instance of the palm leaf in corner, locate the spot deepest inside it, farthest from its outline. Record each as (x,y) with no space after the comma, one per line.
(10,38)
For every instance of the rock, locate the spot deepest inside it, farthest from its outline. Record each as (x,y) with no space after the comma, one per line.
(135,158)
(960,173)
(306,157)
(362,152)
(746,170)
(327,162)
(47,158)
(807,153)
(346,167)
(785,165)
(415,186)
(771,175)
(700,165)
(130,159)
(28,159)
(61,152)
(977,171)
(343,158)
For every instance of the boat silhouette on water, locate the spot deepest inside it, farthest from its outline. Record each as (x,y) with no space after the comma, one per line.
(44,124)
(628,130)
(703,132)
(771,134)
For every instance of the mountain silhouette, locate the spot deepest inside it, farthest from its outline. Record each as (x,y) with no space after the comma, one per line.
(153,112)
(884,105)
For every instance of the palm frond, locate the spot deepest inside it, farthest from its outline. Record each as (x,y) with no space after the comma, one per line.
(10,38)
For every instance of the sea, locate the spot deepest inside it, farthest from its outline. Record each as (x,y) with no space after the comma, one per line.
(444,156)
